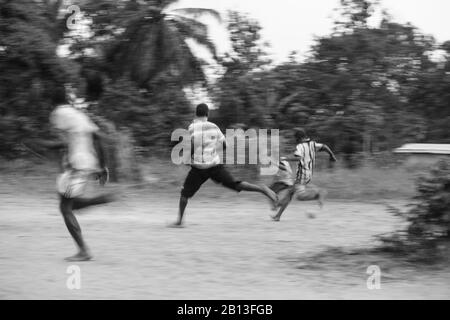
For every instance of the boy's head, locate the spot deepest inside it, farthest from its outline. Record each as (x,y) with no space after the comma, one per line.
(202,110)
(300,135)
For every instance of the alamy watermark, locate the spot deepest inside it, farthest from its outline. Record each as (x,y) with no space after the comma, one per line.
(374,279)
(73,281)
(74,17)
(262,146)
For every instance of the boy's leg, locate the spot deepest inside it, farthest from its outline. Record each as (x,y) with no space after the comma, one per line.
(81,203)
(278,188)
(221,175)
(285,198)
(303,193)
(181,208)
(72,225)
(194,180)
(263,189)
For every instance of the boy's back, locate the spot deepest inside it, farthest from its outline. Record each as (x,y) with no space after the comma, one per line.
(206,136)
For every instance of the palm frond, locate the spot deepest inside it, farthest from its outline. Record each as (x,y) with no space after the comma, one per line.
(190,28)
(152,49)
(190,25)
(180,56)
(137,52)
(197,12)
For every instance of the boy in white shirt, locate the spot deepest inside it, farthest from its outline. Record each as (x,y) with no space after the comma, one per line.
(83,160)
(206,163)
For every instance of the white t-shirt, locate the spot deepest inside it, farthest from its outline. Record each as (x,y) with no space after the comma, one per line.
(77,129)
(206,137)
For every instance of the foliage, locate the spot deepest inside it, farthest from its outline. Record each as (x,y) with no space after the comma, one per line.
(428,217)
(239,91)
(32,76)
(146,40)
(150,115)
(362,89)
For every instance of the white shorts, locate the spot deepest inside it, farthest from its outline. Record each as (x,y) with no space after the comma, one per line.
(72,184)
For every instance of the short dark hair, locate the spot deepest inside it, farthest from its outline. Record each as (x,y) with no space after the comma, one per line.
(202,110)
(300,134)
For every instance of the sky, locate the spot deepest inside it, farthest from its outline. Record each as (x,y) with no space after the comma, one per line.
(291,25)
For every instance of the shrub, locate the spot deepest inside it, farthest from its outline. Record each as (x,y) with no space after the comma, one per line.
(428,216)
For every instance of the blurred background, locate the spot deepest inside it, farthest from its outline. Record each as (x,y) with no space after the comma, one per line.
(365,88)
(361,88)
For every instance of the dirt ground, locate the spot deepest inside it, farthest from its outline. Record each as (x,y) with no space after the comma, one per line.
(230,249)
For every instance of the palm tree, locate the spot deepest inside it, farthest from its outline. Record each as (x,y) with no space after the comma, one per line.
(149,41)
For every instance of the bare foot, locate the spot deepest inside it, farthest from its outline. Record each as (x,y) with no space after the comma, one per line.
(176,225)
(321,198)
(80,256)
(275,218)
(273,197)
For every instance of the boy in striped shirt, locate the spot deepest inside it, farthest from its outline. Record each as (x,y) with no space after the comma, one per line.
(287,185)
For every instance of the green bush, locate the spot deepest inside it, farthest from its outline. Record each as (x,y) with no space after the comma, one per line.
(428,216)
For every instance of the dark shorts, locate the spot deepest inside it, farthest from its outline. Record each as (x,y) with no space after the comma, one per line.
(196,177)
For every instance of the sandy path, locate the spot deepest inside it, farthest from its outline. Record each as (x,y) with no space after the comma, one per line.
(229,250)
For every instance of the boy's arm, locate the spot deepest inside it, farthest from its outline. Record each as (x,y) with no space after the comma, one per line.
(44,143)
(99,148)
(192,147)
(41,147)
(327,149)
(291,157)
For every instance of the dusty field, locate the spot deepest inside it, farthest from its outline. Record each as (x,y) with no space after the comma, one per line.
(229,249)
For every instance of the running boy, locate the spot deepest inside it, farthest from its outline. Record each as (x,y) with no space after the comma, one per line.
(206,164)
(83,160)
(290,186)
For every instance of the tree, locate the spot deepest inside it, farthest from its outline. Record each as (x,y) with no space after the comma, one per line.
(32,76)
(146,40)
(137,62)
(240,98)
(431,97)
(358,89)
(151,116)
(354,14)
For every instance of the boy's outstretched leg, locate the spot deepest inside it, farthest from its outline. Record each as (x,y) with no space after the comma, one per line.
(66,205)
(284,202)
(263,189)
(81,203)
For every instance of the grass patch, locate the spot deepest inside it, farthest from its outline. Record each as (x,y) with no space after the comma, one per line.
(364,183)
